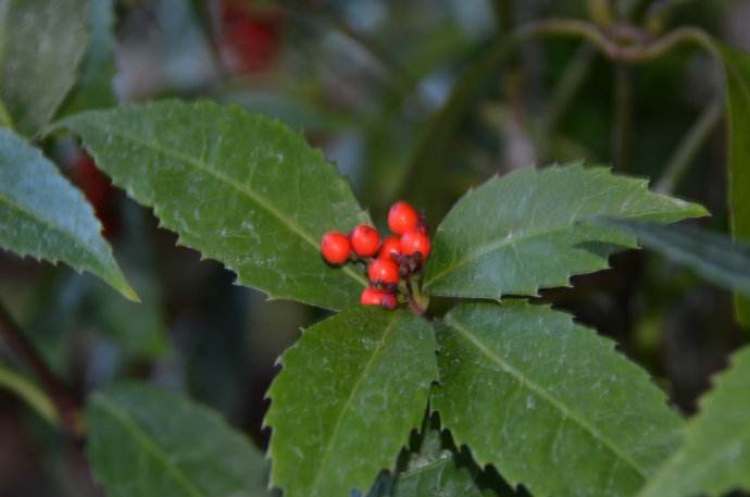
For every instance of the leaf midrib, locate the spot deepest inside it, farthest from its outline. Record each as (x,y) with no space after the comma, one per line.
(252,194)
(486,248)
(334,434)
(44,222)
(148,445)
(539,390)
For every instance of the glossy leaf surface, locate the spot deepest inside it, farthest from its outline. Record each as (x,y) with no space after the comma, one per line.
(549,403)
(241,188)
(43,216)
(519,233)
(348,395)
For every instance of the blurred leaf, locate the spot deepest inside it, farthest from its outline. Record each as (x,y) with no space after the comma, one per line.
(43,42)
(715,257)
(94,89)
(42,215)
(433,147)
(549,403)
(241,188)
(349,393)
(30,393)
(715,457)
(5,120)
(737,69)
(140,329)
(151,443)
(518,233)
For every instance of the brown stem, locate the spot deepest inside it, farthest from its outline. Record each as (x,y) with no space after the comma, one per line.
(57,391)
(636,52)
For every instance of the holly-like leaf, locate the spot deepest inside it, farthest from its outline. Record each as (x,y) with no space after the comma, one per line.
(737,70)
(349,393)
(151,443)
(94,89)
(715,457)
(241,188)
(43,216)
(549,403)
(519,233)
(712,255)
(43,42)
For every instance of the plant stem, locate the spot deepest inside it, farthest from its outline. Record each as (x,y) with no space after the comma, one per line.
(623,117)
(431,150)
(563,94)
(30,393)
(689,146)
(57,391)
(417,301)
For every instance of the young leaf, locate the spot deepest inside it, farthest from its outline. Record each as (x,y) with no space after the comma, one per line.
(714,256)
(241,188)
(147,442)
(519,233)
(715,457)
(94,89)
(42,215)
(737,70)
(549,403)
(43,41)
(348,395)
(435,471)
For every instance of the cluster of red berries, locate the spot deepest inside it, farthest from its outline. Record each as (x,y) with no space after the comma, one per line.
(388,261)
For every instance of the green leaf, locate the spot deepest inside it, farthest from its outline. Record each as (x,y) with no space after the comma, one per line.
(737,69)
(349,393)
(42,215)
(549,403)
(715,457)
(94,89)
(520,233)
(434,471)
(713,256)
(240,188)
(41,45)
(147,442)
(5,120)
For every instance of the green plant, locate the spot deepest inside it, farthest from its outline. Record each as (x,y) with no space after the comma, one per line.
(423,399)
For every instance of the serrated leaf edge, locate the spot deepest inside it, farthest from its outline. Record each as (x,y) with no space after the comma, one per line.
(607,343)
(639,183)
(207,254)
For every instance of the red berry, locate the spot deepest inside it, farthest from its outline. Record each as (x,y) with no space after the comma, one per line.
(383,272)
(390,249)
(335,248)
(365,240)
(416,241)
(373,296)
(402,218)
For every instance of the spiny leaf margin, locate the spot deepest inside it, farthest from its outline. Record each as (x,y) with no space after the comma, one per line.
(349,393)
(519,233)
(43,216)
(241,188)
(511,384)
(715,457)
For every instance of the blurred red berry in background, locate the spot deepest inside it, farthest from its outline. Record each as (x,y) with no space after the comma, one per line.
(250,36)
(98,191)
